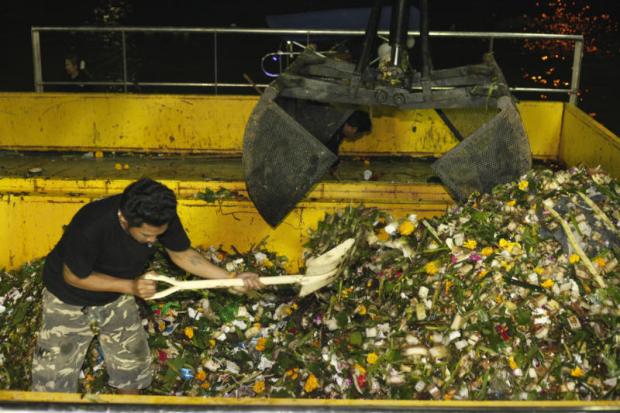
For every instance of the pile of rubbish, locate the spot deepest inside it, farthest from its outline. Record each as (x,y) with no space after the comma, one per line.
(512,295)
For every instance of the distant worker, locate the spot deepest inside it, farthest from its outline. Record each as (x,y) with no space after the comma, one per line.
(77,74)
(92,276)
(356,126)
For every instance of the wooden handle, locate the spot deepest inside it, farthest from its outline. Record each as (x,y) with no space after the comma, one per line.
(216,283)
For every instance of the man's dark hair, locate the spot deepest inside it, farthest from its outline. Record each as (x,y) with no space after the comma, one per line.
(148,201)
(360,120)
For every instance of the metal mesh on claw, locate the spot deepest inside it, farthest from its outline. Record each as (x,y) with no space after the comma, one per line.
(496,153)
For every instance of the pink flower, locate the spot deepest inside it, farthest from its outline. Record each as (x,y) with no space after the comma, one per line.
(474,257)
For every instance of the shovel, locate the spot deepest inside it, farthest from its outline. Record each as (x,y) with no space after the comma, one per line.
(321,271)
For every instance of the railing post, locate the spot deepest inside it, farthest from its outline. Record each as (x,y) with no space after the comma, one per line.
(215,58)
(124,62)
(575,78)
(36,60)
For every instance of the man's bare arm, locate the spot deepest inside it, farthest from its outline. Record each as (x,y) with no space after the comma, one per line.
(106,283)
(192,261)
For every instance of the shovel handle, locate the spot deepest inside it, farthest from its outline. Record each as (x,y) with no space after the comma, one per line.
(215,283)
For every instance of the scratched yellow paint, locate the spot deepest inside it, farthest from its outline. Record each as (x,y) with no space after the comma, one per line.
(215,124)
(122,122)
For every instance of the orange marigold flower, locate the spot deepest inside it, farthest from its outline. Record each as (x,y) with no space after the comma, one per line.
(259,386)
(189,332)
(311,384)
(600,262)
(201,375)
(577,372)
(406,228)
(261,344)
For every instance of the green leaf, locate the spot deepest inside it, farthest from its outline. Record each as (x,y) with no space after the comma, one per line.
(356,339)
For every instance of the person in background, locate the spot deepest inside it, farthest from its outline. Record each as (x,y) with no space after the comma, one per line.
(92,277)
(77,74)
(356,126)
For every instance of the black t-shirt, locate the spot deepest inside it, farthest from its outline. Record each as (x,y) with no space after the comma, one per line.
(334,142)
(94,241)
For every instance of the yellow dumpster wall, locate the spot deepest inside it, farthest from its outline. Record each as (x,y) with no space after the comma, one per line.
(215,124)
(585,141)
(33,212)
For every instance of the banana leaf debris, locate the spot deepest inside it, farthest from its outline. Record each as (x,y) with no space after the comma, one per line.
(511,295)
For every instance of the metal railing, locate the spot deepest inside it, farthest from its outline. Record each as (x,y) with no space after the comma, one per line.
(39,83)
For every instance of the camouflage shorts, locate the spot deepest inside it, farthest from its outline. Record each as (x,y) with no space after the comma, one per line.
(66,333)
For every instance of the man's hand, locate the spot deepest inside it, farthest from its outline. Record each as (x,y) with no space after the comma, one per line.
(143,288)
(250,280)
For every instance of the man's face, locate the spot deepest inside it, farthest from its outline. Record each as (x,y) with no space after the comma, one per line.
(71,68)
(350,132)
(147,234)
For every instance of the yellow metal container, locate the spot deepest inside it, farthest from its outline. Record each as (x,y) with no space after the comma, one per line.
(34,209)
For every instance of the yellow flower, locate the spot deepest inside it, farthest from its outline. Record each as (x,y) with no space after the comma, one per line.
(201,375)
(523,185)
(482,273)
(99,154)
(205,385)
(383,236)
(369,284)
(311,384)
(512,363)
(372,358)
(345,292)
(406,228)
(212,343)
(267,263)
(161,325)
(471,244)
(359,369)
(539,270)
(573,259)
(361,309)
(293,373)
(294,306)
(447,286)
(431,268)
(600,262)
(506,265)
(577,372)
(259,386)
(504,243)
(261,344)
(548,283)
(118,166)
(511,203)
(486,251)
(189,332)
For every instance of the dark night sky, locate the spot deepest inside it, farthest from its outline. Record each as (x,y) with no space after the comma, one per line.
(178,61)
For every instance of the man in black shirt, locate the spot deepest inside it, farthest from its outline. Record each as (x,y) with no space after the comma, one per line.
(91,277)
(356,126)
(76,74)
